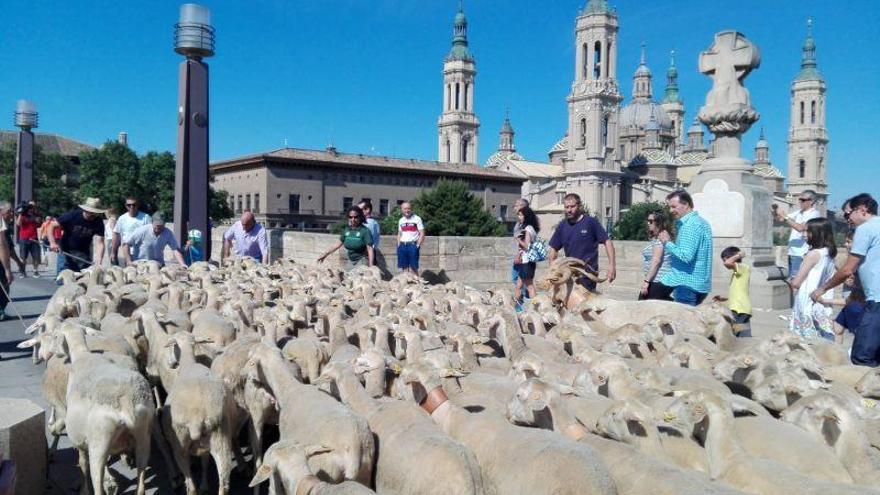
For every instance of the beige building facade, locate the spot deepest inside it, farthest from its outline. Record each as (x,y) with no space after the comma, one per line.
(311,189)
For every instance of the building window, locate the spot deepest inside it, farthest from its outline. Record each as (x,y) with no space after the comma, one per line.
(622,152)
(457,94)
(448,96)
(346,203)
(240,204)
(503,212)
(802,112)
(597,59)
(607,59)
(383,207)
(464,150)
(293,203)
(604,132)
(231,200)
(585,62)
(448,151)
(813,112)
(247,201)
(257,203)
(466,87)
(802,169)
(583,133)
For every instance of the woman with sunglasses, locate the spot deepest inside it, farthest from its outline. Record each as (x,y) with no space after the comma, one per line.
(655,260)
(356,238)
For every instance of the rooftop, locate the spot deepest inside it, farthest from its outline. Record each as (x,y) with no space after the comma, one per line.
(50,143)
(330,158)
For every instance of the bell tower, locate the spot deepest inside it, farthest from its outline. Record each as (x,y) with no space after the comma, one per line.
(591,166)
(458,126)
(807,135)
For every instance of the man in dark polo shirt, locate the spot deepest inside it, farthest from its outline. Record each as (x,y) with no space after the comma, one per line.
(580,235)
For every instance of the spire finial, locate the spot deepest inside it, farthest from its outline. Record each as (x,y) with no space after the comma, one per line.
(506,113)
(672,58)
(642,61)
(761,137)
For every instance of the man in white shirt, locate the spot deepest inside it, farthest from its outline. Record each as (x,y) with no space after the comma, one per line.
(148,242)
(797,240)
(410,235)
(126,224)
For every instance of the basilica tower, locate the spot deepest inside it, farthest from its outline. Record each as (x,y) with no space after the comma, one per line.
(807,136)
(458,126)
(591,168)
(673,104)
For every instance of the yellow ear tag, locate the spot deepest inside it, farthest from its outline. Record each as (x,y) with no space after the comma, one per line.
(869,403)
(668,417)
(396,368)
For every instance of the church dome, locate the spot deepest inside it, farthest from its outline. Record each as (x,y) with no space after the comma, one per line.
(639,112)
(695,127)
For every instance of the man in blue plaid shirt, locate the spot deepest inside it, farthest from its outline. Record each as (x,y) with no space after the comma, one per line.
(691,254)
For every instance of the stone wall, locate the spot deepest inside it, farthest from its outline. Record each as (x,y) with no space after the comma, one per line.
(486,261)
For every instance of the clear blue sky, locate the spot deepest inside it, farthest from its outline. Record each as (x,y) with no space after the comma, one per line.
(367,74)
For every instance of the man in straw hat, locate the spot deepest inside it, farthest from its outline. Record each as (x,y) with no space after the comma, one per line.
(80,226)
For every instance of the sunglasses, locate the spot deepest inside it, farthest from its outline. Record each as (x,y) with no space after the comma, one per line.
(353,218)
(846,215)
(130,205)
(804,199)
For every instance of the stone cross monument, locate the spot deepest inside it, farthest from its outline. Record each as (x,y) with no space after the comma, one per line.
(726,192)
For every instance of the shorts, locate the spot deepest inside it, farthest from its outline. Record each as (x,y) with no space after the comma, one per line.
(408,256)
(656,290)
(741,325)
(525,271)
(794,264)
(29,246)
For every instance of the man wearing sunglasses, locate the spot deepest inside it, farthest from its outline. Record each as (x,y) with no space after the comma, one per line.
(797,240)
(126,224)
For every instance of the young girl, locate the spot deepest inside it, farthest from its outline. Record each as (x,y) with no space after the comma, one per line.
(525,271)
(811,319)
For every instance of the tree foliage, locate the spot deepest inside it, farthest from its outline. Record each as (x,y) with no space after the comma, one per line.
(632,226)
(449,209)
(114,172)
(52,190)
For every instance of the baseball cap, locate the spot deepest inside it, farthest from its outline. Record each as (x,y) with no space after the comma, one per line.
(195,235)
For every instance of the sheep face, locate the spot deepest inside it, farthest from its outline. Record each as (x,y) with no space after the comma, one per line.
(820,414)
(869,385)
(687,411)
(780,390)
(625,420)
(529,404)
(735,367)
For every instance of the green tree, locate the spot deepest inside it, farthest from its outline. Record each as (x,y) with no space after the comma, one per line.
(449,209)
(52,191)
(632,226)
(218,207)
(110,173)
(156,182)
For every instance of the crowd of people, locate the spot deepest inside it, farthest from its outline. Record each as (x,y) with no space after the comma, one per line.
(677,258)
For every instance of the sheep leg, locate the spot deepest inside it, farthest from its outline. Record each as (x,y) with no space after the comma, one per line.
(180,450)
(203,486)
(98,448)
(142,455)
(83,463)
(221,445)
(255,435)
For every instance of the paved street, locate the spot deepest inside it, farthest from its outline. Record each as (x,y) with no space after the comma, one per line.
(21,379)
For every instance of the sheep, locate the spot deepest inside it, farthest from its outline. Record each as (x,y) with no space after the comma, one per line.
(833,421)
(706,413)
(554,466)
(198,413)
(308,354)
(307,414)
(632,471)
(286,467)
(413,452)
(109,411)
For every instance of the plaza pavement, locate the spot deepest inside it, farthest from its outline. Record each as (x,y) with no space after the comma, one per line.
(21,379)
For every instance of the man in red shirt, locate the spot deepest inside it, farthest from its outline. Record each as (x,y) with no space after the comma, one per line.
(28,243)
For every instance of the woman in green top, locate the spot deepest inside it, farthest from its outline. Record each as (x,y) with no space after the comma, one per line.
(357,240)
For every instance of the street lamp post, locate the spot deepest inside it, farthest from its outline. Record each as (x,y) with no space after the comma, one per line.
(194,39)
(26,119)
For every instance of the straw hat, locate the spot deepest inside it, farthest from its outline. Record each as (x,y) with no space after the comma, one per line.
(92,205)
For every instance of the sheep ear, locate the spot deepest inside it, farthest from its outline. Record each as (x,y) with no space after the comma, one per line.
(483,350)
(678,393)
(566,390)
(818,384)
(452,373)
(203,340)
(90,330)
(312,450)
(27,344)
(262,474)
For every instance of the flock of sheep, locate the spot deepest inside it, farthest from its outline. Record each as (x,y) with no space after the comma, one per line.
(407,388)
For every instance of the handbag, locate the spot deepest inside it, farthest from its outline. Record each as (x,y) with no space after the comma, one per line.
(537,251)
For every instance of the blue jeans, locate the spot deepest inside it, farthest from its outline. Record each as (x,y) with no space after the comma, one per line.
(408,256)
(866,345)
(686,295)
(794,264)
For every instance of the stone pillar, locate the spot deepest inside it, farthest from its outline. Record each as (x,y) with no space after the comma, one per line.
(23,439)
(726,192)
